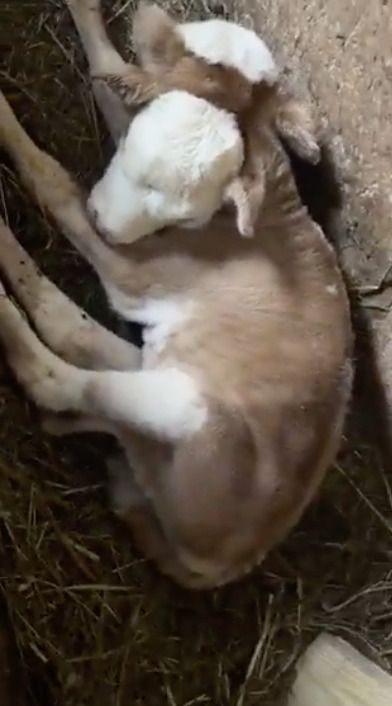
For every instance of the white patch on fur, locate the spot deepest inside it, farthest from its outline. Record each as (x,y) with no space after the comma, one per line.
(165,402)
(332,289)
(162,318)
(179,154)
(221,42)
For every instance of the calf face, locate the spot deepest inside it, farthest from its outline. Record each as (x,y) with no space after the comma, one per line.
(173,165)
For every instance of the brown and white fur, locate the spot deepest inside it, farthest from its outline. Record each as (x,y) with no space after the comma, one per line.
(214,60)
(177,160)
(233,414)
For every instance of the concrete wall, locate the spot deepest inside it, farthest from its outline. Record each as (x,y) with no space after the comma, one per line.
(342,49)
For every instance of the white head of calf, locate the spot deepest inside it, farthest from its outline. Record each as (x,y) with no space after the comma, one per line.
(184,149)
(178,156)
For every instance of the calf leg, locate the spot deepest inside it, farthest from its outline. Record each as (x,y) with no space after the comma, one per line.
(56,192)
(56,425)
(157,45)
(132,506)
(102,58)
(64,327)
(141,400)
(60,387)
(127,401)
(152,543)
(48,380)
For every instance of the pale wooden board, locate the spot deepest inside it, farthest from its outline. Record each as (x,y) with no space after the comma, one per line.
(333,673)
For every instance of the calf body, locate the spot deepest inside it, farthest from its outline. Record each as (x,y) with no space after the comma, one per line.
(234,412)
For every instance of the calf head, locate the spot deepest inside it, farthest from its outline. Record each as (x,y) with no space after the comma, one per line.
(183,154)
(172,166)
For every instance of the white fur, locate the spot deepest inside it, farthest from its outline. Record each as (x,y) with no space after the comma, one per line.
(221,42)
(164,401)
(162,318)
(179,154)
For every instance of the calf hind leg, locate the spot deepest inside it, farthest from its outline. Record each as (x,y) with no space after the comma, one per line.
(49,381)
(157,45)
(134,509)
(56,425)
(102,58)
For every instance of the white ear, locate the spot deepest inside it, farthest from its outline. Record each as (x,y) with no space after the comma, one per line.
(235,193)
(247,196)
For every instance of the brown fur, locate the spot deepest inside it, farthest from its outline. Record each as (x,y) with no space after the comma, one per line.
(165,64)
(223,86)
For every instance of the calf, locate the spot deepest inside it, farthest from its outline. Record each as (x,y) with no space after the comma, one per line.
(231,415)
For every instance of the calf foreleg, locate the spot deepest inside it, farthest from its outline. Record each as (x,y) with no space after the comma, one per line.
(132,506)
(64,327)
(56,192)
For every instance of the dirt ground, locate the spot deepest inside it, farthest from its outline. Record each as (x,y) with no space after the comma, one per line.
(88,621)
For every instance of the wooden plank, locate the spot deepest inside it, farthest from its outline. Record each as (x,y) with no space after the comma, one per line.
(333,673)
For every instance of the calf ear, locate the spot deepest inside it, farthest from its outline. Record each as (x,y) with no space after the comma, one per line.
(134,86)
(247,195)
(294,123)
(155,41)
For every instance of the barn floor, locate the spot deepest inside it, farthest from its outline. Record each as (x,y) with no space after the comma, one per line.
(91,622)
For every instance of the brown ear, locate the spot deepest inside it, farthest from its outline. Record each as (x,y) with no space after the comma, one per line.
(294,123)
(155,40)
(134,86)
(247,195)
